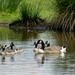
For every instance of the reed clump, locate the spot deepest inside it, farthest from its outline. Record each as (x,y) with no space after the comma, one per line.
(29,15)
(26,12)
(66,16)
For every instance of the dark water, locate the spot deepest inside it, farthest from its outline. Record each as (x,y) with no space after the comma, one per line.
(27,63)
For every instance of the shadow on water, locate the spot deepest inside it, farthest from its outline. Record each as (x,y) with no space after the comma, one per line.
(27,63)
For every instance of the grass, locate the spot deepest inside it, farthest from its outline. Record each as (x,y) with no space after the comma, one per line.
(8,5)
(8,17)
(66,16)
(8,10)
(60,13)
(35,8)
(48,11)
(29,12)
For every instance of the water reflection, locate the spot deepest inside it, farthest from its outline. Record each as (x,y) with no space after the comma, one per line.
(62,55)
(25,64)
(40,58)
(12,58)
(66,66)
(3,59)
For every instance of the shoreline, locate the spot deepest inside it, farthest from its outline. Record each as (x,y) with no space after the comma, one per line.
(38,27)
(29,28)
(4,24)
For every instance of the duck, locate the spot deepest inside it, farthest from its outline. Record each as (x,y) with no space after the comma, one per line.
(39,44)
(49,49)
(18,49)
(7,52)
(10,50)
(47,44)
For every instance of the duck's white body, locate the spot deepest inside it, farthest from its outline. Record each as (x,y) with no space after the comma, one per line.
(19,50)
(11,52)
(8,52)
(48,50)
(38,51)
(63,49)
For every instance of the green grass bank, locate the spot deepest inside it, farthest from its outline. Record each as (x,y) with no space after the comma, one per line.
(65,21)
(56,14)
(24,9)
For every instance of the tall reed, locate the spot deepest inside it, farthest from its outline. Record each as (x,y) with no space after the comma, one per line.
(29,13)
(66,18)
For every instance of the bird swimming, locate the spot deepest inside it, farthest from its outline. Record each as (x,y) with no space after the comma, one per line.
(49,49)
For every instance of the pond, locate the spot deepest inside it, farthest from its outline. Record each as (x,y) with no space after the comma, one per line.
(27,63)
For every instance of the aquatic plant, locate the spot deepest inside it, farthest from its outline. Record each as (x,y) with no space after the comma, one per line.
(29,13)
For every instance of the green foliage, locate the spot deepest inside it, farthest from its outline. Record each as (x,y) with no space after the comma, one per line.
(66,18)
(29,11)
(8,5)
(65,5)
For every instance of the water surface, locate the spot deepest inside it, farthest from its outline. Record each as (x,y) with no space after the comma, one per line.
(27,63)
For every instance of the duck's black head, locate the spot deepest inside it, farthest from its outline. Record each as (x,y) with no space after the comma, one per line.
(64,46)
(47,43)
(42,43)
(35,44)
(5,45)
(3,48)
(11,45)
(39,41)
